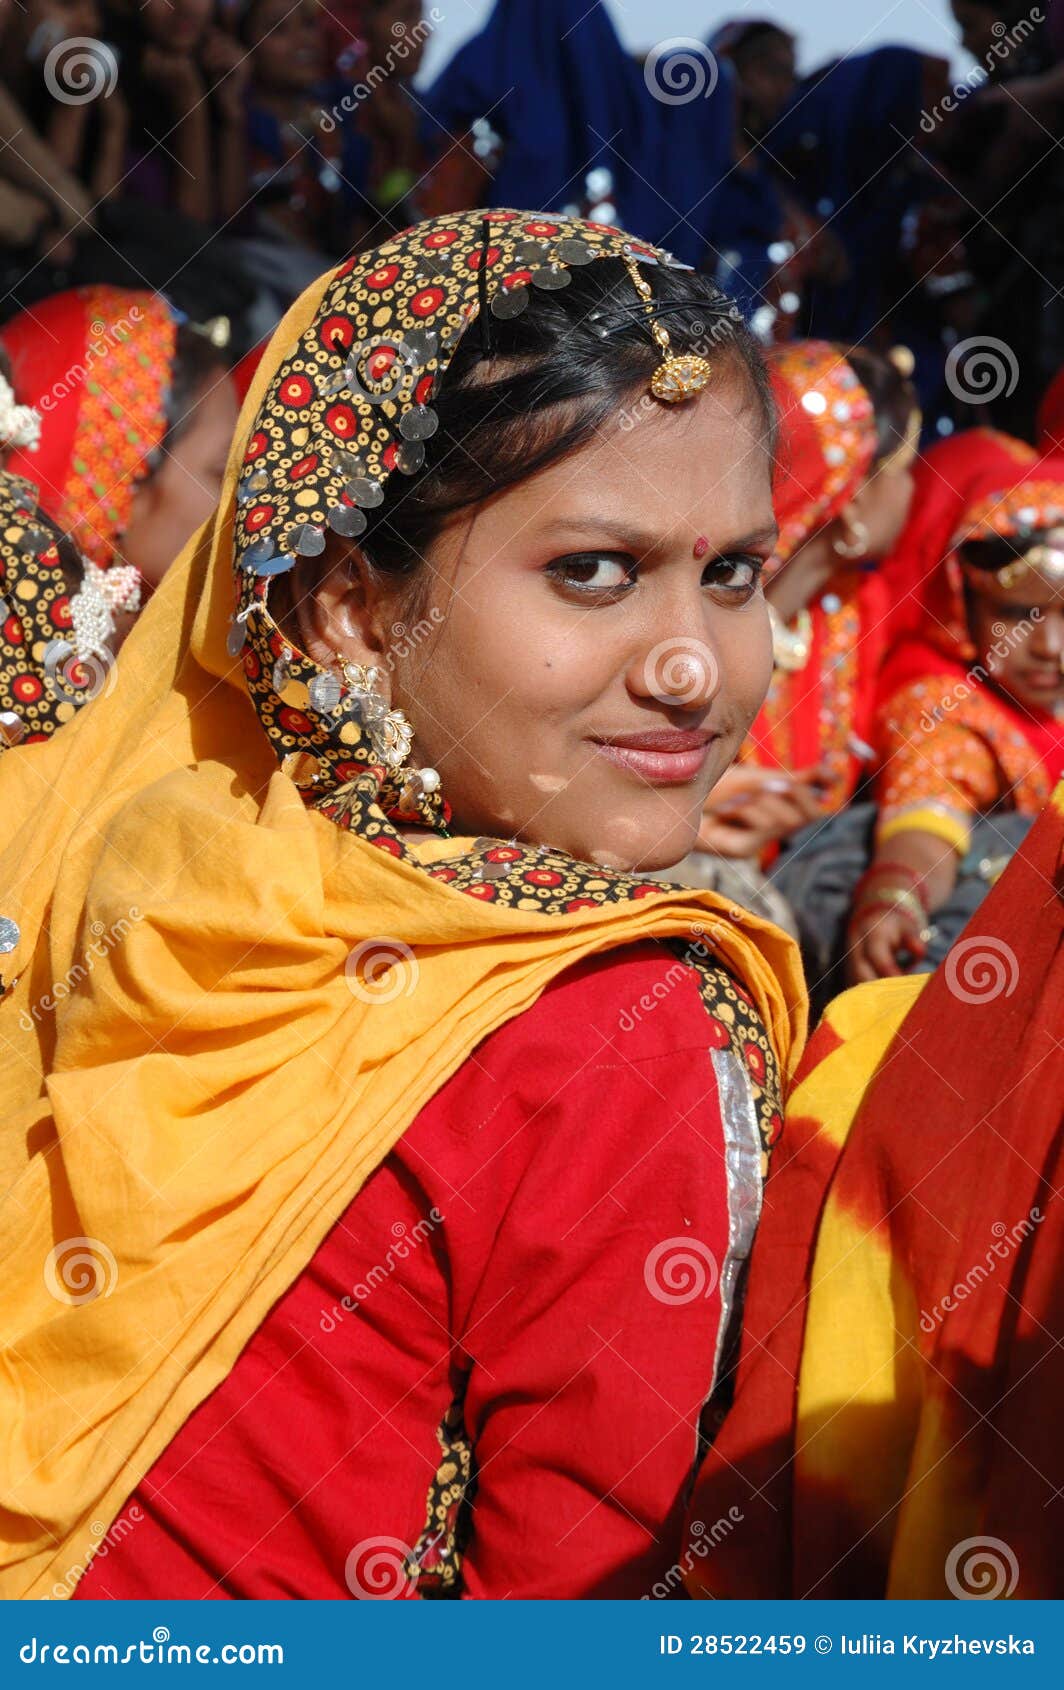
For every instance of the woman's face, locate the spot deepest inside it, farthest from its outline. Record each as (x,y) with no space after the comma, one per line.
(976,24)
(287,53)
(176,25)
(182,493)
(602,645)
(389,25)
(1019,634)
(768,74)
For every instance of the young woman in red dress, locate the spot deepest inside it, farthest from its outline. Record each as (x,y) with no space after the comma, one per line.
(381,1149)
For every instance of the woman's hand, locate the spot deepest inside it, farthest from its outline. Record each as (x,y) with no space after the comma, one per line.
(877,937)
(177,75)
(226,67)
(751,808)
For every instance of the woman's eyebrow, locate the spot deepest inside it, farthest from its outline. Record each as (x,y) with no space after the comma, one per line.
(643,540)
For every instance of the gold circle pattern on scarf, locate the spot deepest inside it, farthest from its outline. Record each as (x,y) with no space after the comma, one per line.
(41,685)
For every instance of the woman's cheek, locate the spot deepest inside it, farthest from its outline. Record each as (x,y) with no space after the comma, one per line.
(746,663)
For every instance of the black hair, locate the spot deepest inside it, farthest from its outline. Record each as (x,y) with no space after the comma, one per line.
(752,38)
(197,364)
(548,381)
(892,394)
(993,554)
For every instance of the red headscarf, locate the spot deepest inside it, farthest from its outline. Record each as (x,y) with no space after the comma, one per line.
(924,585)
(242,373)
(96,363)
(827,439)
(980,493)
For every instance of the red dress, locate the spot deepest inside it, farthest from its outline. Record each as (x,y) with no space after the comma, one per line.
(508,1403)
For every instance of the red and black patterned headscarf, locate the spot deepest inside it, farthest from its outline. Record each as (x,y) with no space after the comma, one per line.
(42,680)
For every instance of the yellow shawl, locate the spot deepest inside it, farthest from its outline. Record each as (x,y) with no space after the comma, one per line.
(192,1092)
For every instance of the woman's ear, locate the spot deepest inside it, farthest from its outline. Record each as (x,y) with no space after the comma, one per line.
(336,606)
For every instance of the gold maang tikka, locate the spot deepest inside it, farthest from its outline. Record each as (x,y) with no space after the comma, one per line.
(680,375)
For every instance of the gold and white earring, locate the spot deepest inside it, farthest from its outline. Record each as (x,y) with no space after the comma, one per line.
(856,542)
(390,733)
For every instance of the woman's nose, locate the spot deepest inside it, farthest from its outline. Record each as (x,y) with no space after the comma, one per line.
(1047,639)
(681,671)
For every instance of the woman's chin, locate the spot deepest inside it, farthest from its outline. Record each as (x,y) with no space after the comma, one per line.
(652,855)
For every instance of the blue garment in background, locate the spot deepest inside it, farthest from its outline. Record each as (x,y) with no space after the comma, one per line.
(554,81)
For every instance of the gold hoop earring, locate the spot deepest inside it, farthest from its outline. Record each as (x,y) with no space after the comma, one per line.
(856,545)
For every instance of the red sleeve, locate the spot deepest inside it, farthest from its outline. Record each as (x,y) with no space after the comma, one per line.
(593,1326)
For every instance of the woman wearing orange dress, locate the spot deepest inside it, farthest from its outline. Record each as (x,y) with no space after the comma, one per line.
(971,723)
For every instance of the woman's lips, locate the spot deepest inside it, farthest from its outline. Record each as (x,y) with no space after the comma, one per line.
(1044,680)
(663,757)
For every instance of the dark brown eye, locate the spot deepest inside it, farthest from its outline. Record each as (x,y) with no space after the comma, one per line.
(594,572)
(738,575)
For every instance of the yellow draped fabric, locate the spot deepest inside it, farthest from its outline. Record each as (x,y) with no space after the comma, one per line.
(192,1092)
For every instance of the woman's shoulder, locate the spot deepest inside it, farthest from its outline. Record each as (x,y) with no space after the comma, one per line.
(641,1000)
(629,1040)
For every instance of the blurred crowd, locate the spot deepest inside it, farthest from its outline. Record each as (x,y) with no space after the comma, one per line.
(224,151)
(174,172)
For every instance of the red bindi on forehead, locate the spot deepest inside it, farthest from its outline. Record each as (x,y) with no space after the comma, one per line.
(701,546)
